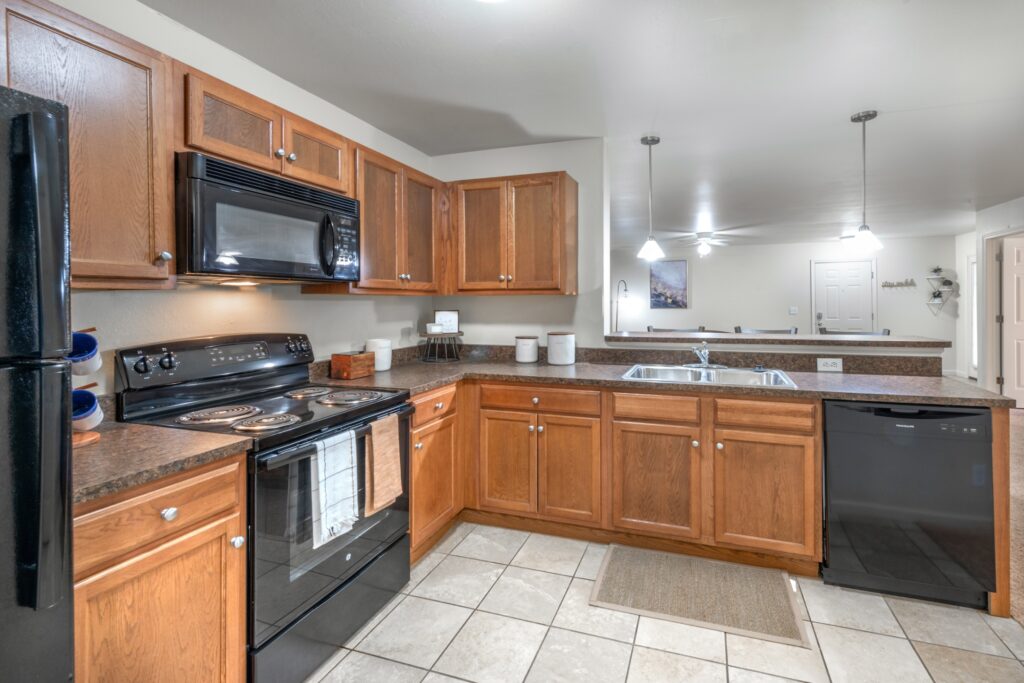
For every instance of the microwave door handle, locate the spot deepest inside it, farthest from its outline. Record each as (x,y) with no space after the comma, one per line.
(328,246)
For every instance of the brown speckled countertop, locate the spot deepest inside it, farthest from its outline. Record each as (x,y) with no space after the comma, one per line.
(417,377)
(872,341)
(132,454)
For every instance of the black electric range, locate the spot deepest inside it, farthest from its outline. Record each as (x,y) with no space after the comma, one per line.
(305,599)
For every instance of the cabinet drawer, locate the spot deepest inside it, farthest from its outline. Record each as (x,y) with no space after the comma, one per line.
(793,417)
(433,405)
(656,407)
(109,533)
(575,401)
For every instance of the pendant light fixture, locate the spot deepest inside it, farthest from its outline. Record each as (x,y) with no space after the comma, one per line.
(864,239)
(650,251)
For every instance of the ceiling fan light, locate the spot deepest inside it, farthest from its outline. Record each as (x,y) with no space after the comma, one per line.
(703,249)
(651,251)
(866,239)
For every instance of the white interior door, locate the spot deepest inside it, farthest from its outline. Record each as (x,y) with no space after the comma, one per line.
(844,296)
(1013,318)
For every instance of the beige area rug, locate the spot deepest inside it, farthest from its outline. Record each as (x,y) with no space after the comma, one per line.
(735,598)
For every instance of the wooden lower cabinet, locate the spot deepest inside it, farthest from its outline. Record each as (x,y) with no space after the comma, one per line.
(508,461)
(569,467)
(434,479)
(767,492)
(174,613)
(656,478)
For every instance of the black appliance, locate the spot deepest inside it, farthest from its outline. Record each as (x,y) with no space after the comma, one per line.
(908,499)
(36,642)
(304,601)
(234,222)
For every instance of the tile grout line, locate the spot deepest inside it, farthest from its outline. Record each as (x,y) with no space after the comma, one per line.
(547,631)
(821,653)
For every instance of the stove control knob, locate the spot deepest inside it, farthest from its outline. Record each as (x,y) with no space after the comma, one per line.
(303,345)
(168,362)
(141,366)
(291,346)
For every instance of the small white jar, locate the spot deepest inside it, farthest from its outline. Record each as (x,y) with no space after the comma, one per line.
(526,349)
(381,353)
(561,348)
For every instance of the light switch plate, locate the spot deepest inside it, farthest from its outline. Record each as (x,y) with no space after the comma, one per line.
(792,310)
(830,365)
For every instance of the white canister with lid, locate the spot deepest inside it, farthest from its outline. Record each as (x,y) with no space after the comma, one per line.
(381,353)
(526,349)
(561,348)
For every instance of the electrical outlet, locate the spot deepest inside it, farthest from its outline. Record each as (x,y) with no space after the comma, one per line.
(830,365)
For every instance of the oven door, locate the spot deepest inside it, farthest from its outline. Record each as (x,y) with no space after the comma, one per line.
(240,233)
(287,574)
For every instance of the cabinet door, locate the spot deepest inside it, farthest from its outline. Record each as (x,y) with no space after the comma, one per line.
(316,155)
(508,461)
(174,613)
(119,156)
(569,467)
(767,491)
(482,217)
(422,213)
(379,191)
(656,483)
(232,123)
(535,236)
(433,478)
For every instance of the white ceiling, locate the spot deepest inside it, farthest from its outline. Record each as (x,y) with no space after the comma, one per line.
(751,98)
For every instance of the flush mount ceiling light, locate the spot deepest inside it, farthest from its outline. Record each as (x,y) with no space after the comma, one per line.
(703,247)
(863,239)
(650,251)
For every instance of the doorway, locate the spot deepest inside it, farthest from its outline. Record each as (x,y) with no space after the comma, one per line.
(1013,318)
(843,295)
(971,314)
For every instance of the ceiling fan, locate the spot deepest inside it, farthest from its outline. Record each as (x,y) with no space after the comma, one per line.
(705,239)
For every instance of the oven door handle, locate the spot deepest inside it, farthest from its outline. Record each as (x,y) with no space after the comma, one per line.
(308,449)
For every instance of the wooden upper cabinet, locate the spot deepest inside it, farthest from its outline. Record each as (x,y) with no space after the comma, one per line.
(569,467)
(517,234)
(121,173)
(229,122)
(656,478)
(379,191)
(768,492)
(482,236)
(508,461)
(314,154)
(422,199)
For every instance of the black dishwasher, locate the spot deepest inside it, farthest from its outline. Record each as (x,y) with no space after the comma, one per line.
(908,500)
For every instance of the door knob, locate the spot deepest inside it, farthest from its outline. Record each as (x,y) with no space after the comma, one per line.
(279,152)
(695,443)
(169,514)
(293,156)
(237,541)
(720,446)
(164,256)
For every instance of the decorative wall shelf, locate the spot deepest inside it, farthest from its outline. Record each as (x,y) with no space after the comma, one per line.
(943,288)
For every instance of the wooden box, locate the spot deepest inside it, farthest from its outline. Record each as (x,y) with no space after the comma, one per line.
(351,365)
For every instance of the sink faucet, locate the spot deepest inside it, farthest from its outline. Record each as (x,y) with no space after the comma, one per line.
(702,353)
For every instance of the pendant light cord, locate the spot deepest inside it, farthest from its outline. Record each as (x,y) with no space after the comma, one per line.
(864,172)
(650,192)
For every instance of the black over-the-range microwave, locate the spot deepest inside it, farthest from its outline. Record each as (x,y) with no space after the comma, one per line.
(234,223)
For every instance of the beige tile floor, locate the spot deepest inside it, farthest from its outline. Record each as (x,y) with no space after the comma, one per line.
(491,604)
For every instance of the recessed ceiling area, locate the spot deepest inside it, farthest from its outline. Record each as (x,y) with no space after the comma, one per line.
(751,99)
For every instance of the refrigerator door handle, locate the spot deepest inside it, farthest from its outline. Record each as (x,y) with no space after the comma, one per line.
(45,191)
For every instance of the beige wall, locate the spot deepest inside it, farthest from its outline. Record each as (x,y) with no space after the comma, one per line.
(755,286)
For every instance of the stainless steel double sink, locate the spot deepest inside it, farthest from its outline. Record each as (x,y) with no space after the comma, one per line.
(695,374)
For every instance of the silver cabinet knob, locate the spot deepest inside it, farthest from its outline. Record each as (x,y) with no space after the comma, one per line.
(540,429)
(695,443)
(720,446)
(530,428)
(501,278)
(169,514)
(535,400)
(279,152)
(237,541)
(439,405)
(509,277)
(419,446)
(164,256)
(292,157)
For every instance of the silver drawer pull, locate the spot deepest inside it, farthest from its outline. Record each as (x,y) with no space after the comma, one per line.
(292,157)
(535,400)
(695,443)
(720,446)
(279,153)
(501,278)
(169,514)
(237,541)
(164,256)
(439,405)
(540,429)
(419,446)
(530,428)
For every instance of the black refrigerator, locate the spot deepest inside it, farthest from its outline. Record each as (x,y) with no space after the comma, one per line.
(36,629)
